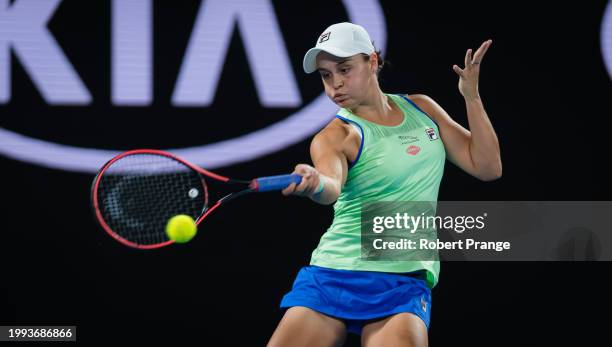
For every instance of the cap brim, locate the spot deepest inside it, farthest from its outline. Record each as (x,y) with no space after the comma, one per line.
(310,58)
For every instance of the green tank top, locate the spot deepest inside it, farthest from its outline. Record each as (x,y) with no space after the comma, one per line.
(394,163)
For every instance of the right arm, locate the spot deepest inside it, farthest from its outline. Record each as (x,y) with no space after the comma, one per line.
(330,166)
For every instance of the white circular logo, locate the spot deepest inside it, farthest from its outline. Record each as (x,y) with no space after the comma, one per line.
(309,119)
(193,193)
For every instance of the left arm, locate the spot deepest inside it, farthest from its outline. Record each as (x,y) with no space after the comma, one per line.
(476,151)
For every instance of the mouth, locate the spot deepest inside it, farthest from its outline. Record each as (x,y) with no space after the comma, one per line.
(340,97)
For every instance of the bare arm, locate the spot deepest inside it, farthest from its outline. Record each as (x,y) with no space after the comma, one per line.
(330,167)
(475,151)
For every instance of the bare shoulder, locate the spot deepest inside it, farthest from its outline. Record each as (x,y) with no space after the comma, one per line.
(337,137)
(333,134)
(429,106)
(420,98)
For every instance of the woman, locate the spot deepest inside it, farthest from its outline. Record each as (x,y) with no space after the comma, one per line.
(379,147)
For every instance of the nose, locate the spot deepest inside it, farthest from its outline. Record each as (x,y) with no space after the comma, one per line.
(337,81)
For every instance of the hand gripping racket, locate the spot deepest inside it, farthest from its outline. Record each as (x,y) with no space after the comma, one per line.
(135,194)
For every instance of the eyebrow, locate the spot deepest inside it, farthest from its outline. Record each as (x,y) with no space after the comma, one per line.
(339,63)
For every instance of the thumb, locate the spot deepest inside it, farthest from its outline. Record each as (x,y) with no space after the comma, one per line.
(458,70)
(303,170)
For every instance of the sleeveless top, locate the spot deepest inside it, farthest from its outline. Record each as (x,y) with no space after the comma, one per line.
(394,163)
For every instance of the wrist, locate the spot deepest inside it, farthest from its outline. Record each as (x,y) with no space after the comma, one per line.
(472,98)
(320,188)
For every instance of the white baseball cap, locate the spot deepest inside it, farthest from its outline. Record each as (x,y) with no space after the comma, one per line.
(342,40)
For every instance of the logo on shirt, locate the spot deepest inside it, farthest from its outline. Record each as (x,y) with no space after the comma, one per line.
(405,139)
(431,133)
(413,150)
(324,37)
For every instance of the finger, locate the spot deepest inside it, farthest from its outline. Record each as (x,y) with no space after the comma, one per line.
(303,185)
(300,169)
(468,57)
(285,191)
(458,70)
(481,51)
(290,189)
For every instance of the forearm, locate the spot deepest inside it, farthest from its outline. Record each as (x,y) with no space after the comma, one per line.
(484,145)
(330,192)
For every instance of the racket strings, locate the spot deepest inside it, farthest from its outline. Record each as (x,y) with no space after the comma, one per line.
(138,193)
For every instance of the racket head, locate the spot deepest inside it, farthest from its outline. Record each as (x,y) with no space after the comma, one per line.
(137,192)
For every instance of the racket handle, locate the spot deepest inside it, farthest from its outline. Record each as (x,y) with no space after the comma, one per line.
(270,183)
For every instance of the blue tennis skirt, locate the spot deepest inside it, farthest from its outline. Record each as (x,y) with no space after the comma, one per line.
(357,297)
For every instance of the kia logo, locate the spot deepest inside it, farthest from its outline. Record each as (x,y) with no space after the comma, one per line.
(24,31)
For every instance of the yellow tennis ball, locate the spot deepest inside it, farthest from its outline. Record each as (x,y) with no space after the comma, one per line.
(181,228)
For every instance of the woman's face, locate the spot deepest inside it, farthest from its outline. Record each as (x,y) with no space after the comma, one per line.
(346,80)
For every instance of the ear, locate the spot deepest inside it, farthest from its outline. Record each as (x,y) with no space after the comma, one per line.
(373,62)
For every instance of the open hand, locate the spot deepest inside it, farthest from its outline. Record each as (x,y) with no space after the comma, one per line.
(468,76)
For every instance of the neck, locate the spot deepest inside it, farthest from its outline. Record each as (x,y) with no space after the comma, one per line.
(375,107)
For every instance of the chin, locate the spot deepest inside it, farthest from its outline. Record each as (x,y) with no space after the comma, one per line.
(345,103)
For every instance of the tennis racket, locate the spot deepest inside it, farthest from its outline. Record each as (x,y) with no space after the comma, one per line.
(135,194)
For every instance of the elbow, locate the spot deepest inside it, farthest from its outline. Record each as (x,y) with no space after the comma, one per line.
(490,177)
(491,174)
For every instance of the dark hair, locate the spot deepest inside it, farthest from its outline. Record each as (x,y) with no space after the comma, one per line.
(381,61)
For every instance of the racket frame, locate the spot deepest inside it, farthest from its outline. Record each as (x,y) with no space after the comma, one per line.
(201,172)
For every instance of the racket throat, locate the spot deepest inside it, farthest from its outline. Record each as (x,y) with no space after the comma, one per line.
(232,196)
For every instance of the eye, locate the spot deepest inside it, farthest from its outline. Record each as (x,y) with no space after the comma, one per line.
(345,69)
(324,75)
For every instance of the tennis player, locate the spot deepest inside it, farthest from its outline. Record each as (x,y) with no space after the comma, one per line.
(379,147)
